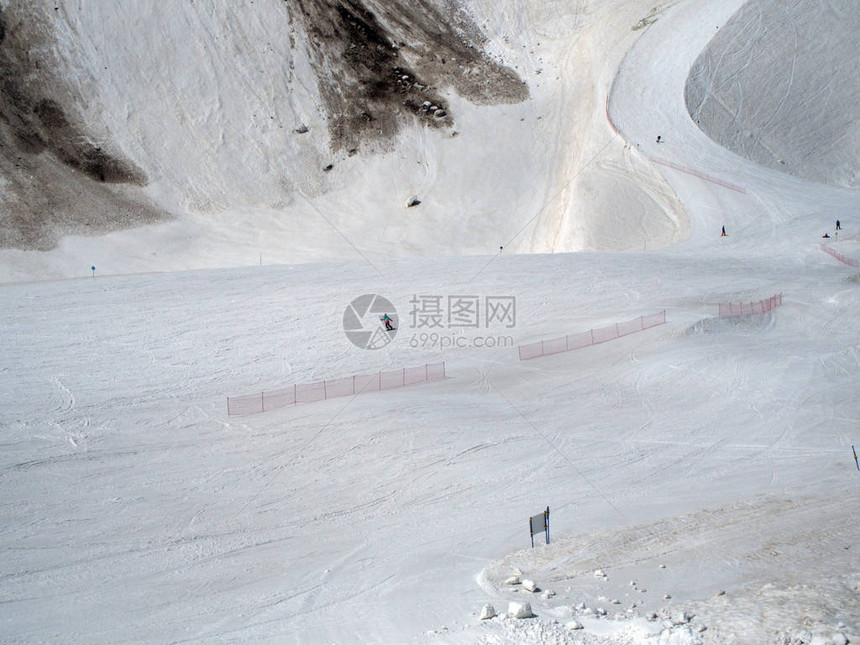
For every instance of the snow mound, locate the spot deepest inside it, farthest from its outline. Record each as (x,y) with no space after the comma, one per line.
(774,87)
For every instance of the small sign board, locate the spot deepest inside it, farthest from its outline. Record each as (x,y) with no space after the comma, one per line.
(539,524)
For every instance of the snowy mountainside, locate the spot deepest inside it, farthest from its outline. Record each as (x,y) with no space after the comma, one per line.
(763,73)
(234,125)
(700,473)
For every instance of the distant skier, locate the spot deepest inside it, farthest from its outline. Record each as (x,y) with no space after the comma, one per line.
(723,233)
(387,321)
(659,139)
(826,235)
(838,226)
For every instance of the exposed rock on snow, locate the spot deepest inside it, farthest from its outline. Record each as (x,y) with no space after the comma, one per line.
(372,58)
(520,610)
(58,175)
(487,611)
(530,585)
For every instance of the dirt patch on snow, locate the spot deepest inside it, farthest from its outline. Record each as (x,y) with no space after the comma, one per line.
(55,178)
(381,63)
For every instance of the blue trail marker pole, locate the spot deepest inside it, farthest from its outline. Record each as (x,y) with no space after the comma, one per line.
(856,463)
(93,269)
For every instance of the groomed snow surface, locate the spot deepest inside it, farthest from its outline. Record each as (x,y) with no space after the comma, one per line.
(699,474)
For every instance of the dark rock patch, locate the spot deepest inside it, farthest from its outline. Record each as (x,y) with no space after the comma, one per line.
(57,179)
(379,63)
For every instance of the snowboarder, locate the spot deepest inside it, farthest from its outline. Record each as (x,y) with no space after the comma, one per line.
(723,233)
(826,235)
(387,321)
(838,226)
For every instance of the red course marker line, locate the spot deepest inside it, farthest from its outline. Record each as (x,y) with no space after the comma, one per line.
(700,175)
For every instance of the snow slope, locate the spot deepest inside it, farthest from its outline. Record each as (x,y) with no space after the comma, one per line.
(134,509)
(762,74)
(212,123)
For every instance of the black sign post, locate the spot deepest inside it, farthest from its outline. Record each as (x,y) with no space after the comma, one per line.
(539,524)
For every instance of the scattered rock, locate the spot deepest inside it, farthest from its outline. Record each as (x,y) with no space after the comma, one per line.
(651,616)
(574,624)
(302,129)
(615,601)
(328,167)
(513,580)
(487,611)
(414,201)
(599,573)
(601,611)
(530,585)
(682,618)
(520,610)
(546,595)
(667,596)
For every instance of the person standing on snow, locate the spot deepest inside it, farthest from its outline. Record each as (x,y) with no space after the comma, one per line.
(838,226)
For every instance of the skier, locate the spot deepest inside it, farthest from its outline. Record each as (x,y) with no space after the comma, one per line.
(659,139)
(838,226)
(723,234)
(387,322)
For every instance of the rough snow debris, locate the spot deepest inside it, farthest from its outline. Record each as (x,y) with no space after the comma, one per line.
(574,624)
(513,580)
(546,595)
(601,611)
(615,601)
(599,573)
(530,585)
(580,606)
(487,611)
(667,596)
(682,618)
(679,636)
(520,610)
